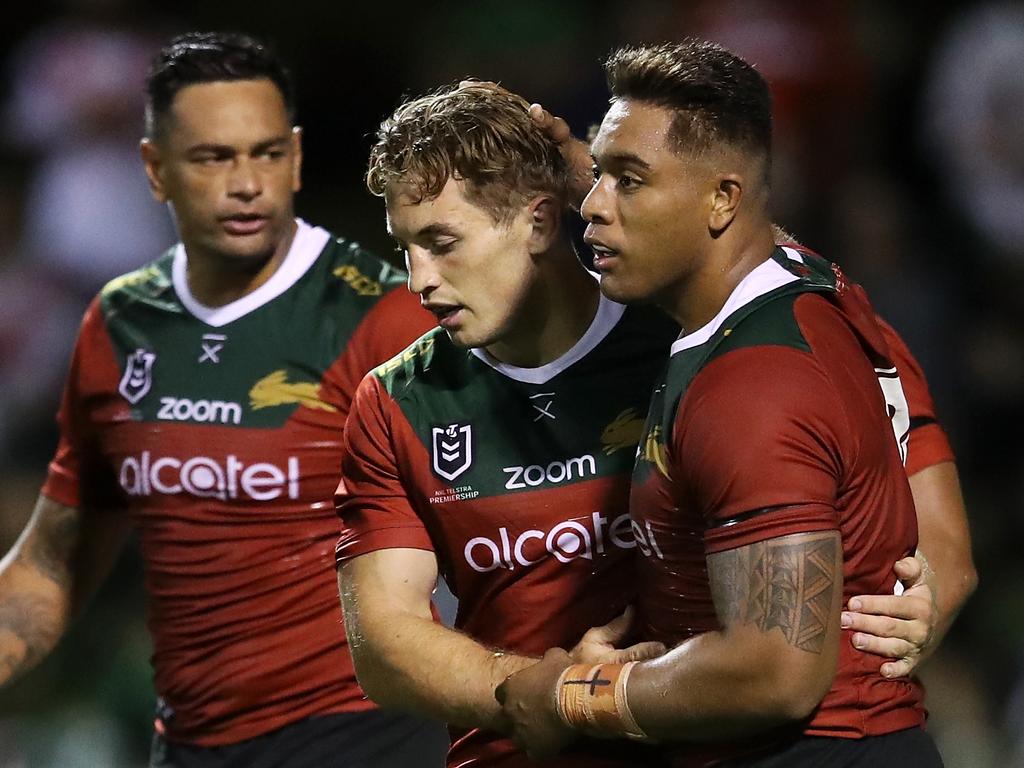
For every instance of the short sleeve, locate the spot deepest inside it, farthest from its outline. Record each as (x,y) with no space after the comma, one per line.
(758,446)
(394,322)
(77,475)
(371,499)
(928,444)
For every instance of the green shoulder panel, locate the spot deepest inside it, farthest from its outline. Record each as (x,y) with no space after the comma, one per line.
(364,273)
(767,320)
(494,434)
(416,360)
(150,284)
(259,367)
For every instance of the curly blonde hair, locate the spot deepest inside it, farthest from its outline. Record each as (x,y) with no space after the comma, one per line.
(475,132)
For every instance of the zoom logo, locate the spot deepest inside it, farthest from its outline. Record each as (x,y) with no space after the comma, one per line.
(204,411)
(555,472)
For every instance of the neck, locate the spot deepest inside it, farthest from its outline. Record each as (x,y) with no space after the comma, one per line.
(701,296)
(216,280)
(557,313)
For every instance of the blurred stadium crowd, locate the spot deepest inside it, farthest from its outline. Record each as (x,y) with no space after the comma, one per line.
(899,154)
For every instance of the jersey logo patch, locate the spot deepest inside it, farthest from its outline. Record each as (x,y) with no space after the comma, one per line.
(138,375)
(624,431)
(275,389)
(653,450)
(360,283)
(212,344)
(452,450)
(543,408)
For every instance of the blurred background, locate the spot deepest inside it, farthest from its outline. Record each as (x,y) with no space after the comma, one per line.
(899,154)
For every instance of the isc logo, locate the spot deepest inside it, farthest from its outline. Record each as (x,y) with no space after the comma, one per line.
(204,411)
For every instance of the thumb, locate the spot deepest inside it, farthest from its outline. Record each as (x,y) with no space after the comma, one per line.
(908,570)
(642,652)
(555,127)
(616,629)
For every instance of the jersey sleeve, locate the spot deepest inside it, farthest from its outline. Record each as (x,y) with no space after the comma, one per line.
(928,442)
(757,446)
(394,322)
(77,476)
(371,500)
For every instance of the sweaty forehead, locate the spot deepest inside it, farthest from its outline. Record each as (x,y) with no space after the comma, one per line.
(228,112)
(633,127)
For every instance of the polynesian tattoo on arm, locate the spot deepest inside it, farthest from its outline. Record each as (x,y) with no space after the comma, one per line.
(786,583)
(32,622)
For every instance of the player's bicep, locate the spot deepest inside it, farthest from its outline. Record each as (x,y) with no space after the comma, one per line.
(788,589)
(382,587)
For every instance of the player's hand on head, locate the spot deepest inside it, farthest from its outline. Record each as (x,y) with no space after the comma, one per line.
(575,152)
(897,627)
(601,645)
(529,704)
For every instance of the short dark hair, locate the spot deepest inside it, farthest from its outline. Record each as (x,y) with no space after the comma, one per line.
(207,57)
(716,95)
(476,132)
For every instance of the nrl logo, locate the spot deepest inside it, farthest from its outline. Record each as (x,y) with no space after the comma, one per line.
(138,375)
(452,450)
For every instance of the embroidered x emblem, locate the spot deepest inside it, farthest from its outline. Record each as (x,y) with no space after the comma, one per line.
(543,410)
(212,344)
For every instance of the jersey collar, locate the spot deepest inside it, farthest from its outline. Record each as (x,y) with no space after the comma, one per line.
(764,278)
(307,244)
(607,316)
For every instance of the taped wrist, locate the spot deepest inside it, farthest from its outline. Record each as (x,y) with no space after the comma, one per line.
(592,698)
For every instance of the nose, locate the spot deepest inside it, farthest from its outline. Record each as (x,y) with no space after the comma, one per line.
(423,275)
(596,206)
(244,180)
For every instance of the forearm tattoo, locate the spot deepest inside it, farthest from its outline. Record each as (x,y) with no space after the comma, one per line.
(30,623)
(51,549)
(784,584)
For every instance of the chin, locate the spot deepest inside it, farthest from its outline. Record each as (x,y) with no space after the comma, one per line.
(614,289)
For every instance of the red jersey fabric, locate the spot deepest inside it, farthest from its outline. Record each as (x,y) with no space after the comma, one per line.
(769,424)
(225,453)
(532,531)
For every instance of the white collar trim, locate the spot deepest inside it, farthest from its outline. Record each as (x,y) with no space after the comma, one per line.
(307,244)
(608,315)
(762,279)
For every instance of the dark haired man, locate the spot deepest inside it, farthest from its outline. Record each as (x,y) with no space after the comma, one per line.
(498,448)
(769,481)
(205,405)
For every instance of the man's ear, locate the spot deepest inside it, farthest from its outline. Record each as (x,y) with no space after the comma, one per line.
(725,202)
(296,138)
(546,219)
(152,161)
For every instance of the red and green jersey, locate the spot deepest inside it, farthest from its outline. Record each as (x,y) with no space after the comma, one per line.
(517,479)
(779,417)
(219,431)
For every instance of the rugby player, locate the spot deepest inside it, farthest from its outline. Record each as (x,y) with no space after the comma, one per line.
(205,406)
(497,449)
(768,446)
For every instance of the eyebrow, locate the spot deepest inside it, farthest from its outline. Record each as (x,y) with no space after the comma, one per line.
(624,158)
(433,230)
(256,148)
